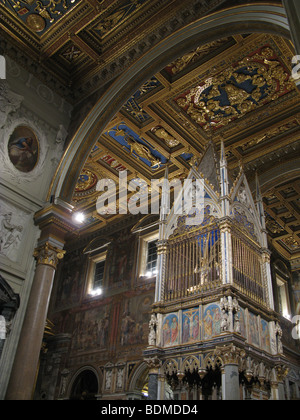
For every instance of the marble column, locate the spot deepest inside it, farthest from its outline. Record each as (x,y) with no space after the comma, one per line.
(230,383)
(153,387)
(23,376)
(231,357)
(161,387)
(154,367)
(279,374)
(282,372)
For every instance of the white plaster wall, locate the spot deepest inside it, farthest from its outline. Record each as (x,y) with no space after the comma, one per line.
(24,100)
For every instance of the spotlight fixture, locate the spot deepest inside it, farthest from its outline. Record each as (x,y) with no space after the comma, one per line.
(79,217)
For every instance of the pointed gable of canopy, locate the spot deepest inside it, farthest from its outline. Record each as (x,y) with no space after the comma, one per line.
(209,167)
(206,175)
(243,209)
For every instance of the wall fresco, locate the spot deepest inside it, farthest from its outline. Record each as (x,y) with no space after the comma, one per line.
(212,318)
(170,330)
(253,330)
(134,320)
(190,325)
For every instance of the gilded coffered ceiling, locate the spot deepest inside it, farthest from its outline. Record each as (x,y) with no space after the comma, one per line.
(77,45)
(238,89)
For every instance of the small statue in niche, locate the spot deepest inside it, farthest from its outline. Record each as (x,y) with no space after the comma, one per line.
(224,322)
(278,333)
(242,196)
(152,328)
(236,311)
(108,379)
(120,376)
(237,324)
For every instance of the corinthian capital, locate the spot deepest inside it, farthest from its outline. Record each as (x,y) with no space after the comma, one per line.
(48,255)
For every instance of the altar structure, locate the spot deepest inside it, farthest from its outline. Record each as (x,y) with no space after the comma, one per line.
(214,333)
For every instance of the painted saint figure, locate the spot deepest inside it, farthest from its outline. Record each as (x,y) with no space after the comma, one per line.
(23,149)
(167,332)
(174,330)
(186,331)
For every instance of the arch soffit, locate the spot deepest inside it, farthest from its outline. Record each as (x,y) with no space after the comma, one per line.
(240,19)
(138,377)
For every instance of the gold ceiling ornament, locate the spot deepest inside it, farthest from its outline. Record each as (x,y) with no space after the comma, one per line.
(270,196)
(47,9)
(292,242)
(142,151)
(252,82)
(273,226)
(276,131)
(163,134)
(72,53)
(137,149)
(35,22)
(86,181)
(118,16)
(183,62)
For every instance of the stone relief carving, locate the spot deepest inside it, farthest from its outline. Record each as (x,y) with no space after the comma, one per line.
(10,234)
(9,102)
(12,222)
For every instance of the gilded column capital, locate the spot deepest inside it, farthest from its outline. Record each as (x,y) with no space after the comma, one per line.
(230,355)
(281,372)
(154,364)
(47,254)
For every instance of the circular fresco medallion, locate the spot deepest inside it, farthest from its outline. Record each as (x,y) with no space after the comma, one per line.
(86,181)
(36,23)
(23,149)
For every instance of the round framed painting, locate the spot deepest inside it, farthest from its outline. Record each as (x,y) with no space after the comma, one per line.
(23,149)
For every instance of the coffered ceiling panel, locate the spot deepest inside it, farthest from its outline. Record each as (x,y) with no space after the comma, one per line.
(77,41)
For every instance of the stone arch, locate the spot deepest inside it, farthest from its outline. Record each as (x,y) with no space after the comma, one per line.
(137,380)
(240,19)
(191,364)
(170,367)
(85,383)
(212,362)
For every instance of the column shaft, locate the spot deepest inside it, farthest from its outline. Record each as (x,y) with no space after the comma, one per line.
(23,376)
(230,383)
